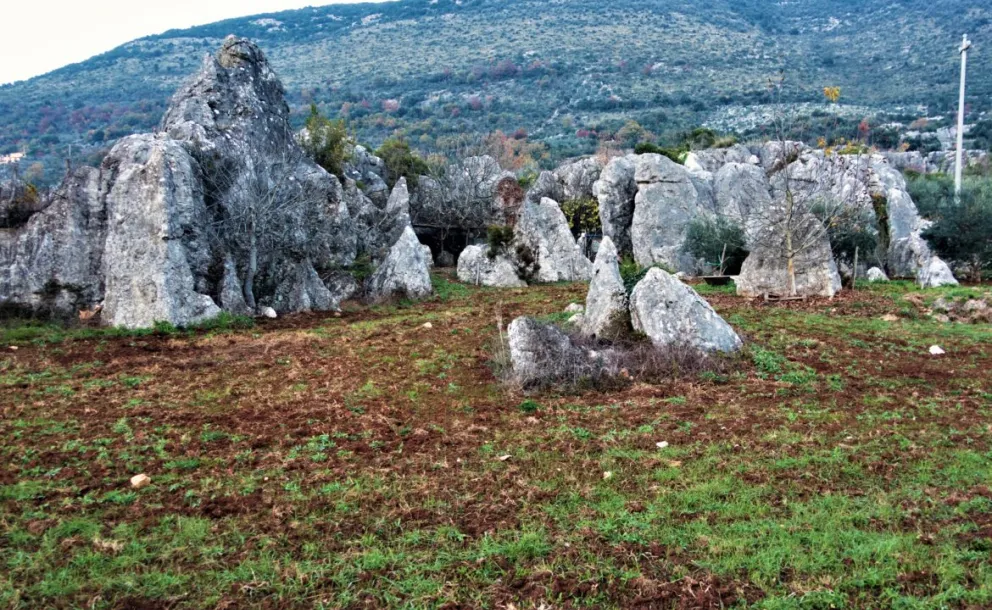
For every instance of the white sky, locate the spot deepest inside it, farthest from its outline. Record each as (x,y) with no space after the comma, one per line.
(39,36)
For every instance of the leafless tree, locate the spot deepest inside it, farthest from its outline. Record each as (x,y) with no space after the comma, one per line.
(266,208)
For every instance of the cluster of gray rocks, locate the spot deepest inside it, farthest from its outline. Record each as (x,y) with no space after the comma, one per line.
(221,210)
(218,210)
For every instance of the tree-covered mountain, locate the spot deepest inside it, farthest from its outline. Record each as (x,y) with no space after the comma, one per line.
(565,73)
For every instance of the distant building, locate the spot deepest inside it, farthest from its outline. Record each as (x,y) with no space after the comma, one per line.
(11,158)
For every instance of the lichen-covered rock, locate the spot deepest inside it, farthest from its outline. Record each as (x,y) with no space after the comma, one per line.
(671,313)
(53,262)
(877,275)
(935,274)
(615,190)
(476,268)
(666,204)
(606,313)
(301,289)
(577,178)
(741,189)
(404,273)
(543,229)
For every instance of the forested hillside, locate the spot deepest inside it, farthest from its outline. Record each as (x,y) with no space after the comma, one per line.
(562,74)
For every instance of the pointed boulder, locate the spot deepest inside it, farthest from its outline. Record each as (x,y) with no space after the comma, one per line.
(404,273)
(671,313)
(606,313)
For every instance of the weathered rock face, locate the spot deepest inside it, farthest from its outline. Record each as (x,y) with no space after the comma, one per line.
(405,272)
(577,178)
(53,262)
(157,254)
(713,159)
(173,225)
(766,269)
(671,313)
(545,187)
(936,273)
(907,251)
(539,351)
(543,229)
(606,314)
(741,189)
(369,171)
(615,190)
(667,202)
(476,268)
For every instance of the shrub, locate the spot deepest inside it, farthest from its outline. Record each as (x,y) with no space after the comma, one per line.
(401,162)
(498,238)
(929,191)
(719,242)
(582,215)
(962,229)
(675,154)
(327,142)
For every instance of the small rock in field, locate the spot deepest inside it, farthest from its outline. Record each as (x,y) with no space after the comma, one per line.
(575,308)
(140,481)
(936,351)
(14,348)
(504,458)
(890,318)
(607,475)
(428,326)
(268,312)
(662,445)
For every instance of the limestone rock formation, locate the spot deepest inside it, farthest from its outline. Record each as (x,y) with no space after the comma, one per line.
(667,202)
(174,224)
(53,262)
(936,273)
(404,273)
(606,314)
(543,229)
(765,271)
(577,178)
(671,313)
(615,190)
(476,268)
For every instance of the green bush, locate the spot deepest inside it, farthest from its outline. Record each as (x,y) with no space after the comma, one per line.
(719,242)
(929,191)
(582,215)
(675,154)
(962,229)
(327,142)
(498,238)
(401,162)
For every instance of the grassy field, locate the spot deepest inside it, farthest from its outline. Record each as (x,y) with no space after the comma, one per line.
(370,461)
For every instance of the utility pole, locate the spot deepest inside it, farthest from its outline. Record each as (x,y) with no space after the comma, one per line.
(959,165)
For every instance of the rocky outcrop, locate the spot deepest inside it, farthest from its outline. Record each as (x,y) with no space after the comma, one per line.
(615,190)
(766,269)
(711,160)
(543,230)
(671,313)
(175,224)
(577,178)
(606,314)
(477,268)
(935,274)
(667,202)
(740,190)
(53,262)
(158,250)
(404,273)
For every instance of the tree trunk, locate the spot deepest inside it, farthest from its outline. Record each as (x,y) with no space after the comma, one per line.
(790,253)
(249,285)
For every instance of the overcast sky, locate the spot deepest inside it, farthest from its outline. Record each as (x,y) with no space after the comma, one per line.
(39,36)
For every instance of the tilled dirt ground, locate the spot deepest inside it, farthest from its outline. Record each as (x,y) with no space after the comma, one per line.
(373,460)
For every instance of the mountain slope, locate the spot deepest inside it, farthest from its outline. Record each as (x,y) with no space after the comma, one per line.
(432,70)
